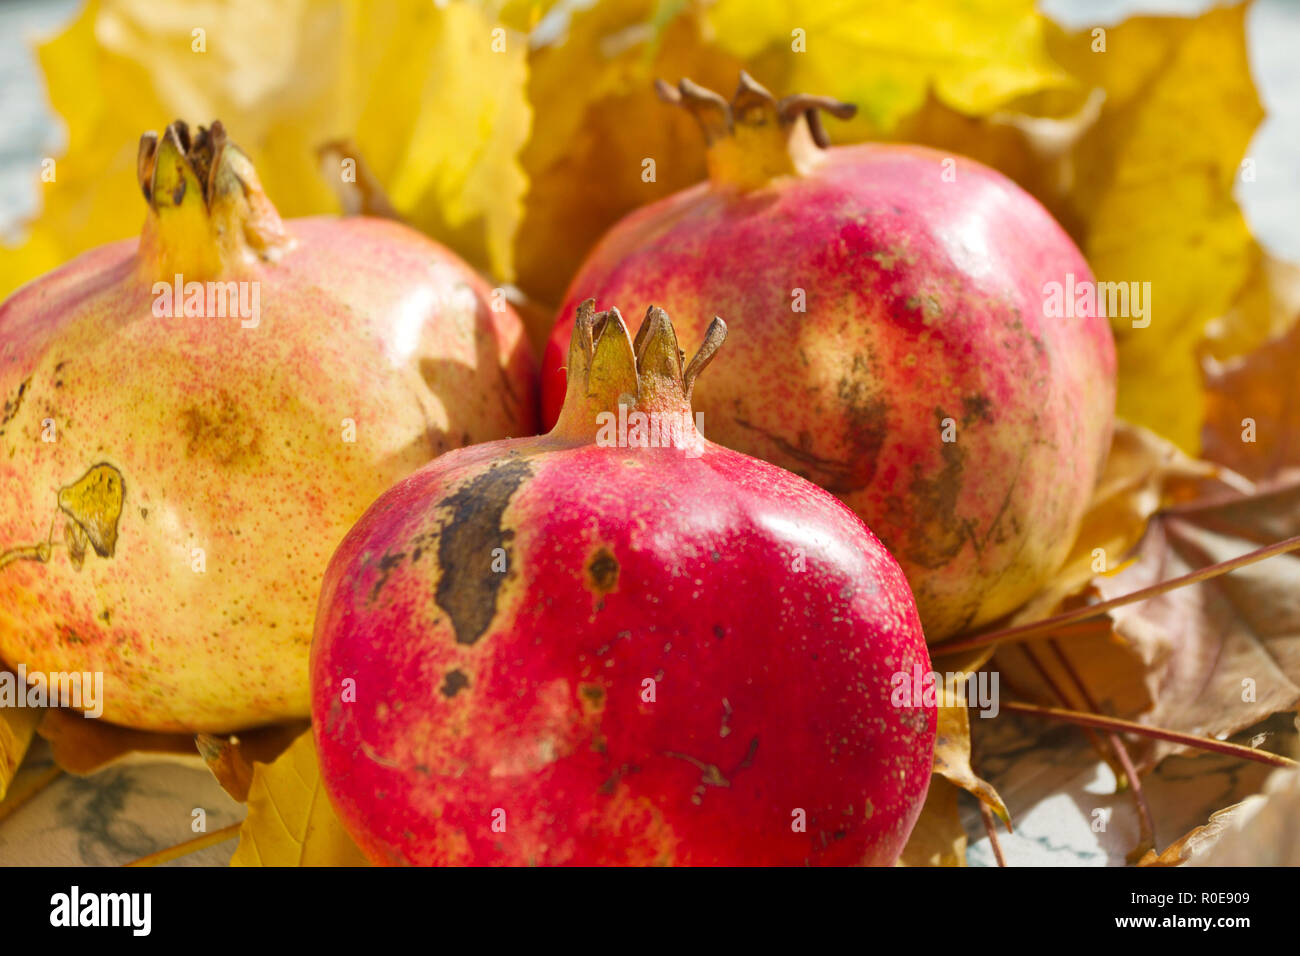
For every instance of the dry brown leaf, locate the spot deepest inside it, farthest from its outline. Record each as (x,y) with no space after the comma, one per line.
(231,758)
(1252,414)
(83,746)
(938,838)
(1265,830)
(952,756)
(1199,841)
(1219,656)
(597,119)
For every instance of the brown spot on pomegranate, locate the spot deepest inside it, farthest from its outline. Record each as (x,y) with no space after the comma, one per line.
(603,570)
(12,405)
(836,477)
(222,431)
(468,587)
(936,533)
(867,415)
(976,407)
(454,683)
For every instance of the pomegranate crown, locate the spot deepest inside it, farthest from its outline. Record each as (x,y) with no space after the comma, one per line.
(209,213)
(757,137)
(608,368)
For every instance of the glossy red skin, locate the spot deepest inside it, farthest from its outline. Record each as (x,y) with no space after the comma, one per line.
(924,302)
(773,685)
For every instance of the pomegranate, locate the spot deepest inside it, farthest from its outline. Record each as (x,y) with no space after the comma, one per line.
(894,342)
(191,423)
(618,643)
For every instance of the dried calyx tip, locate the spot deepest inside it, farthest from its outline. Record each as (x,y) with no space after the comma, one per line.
(654,352)
(210,213)
(202,150)
(751,103)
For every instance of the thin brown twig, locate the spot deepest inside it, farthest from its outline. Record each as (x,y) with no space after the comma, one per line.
(1157,733)
(1056,690)
(1146,821)
(991,829)
(1035,628)
(188,847)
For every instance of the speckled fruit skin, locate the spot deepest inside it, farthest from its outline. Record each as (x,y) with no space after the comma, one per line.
(924,303)
(230,440)
(479,693)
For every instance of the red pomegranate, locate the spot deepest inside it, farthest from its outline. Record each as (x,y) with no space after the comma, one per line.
(894,345)
(618,643)
(190,423)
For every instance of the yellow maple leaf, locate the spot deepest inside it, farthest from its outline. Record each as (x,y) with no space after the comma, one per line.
(952,750)
(938,837)
(598,120)
(290,820)
(431,93)
(885,57)
(444,120)
(1154,195)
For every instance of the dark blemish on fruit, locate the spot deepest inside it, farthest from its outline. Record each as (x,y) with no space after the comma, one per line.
(868,423)
(12,405)
(221,430)
(719,631)
(836,477)
(386,564)
(468,587)
(938,533)
(453,683)
(93,503)
(603,570)
(976,407)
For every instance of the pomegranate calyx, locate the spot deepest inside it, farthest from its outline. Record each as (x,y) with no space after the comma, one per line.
(208,212)
(756,138)
(607,368)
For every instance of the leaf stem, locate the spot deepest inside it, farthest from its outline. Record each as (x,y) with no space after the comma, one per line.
(1146,821)
(189,846)
(987,816)
(1035,628)
(1158,733)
